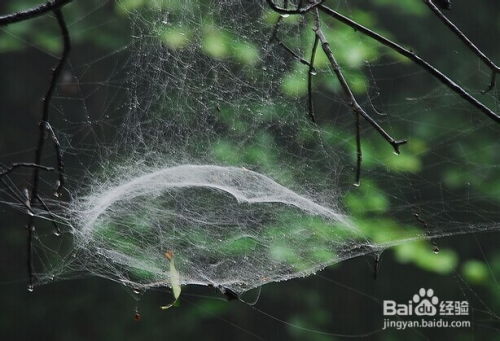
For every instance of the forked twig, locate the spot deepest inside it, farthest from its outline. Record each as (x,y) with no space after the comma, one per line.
(356,108)
(275,38)
(454,28)
(353,103)
(310,64)
(413,57)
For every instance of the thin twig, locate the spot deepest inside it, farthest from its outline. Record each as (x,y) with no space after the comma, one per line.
(60,160)
(413,57)
(359,152)
(376,265)
(57,230)
(356,108)
(275,38)
(486,60)
(14,166)
(41,136)
(435,246)
(310,75)
(32,12)
(16,195)
(295,55)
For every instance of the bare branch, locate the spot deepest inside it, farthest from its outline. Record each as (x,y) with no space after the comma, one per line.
(486,60)
(310,75)
(312,70)
(355,107)
(60,160)
(275,38)
(32,12)
(14,166)
(359,152)
(41,136)
(435,246)
(445,80)
(350,96)
(57,230)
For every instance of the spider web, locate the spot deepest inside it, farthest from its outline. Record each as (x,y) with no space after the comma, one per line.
(218,162)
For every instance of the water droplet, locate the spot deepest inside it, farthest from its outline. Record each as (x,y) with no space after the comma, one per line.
(136,291)
(285,15)
(314,72)
(436,249)
(137,315)
(58,192)
(57,233)
(30,288)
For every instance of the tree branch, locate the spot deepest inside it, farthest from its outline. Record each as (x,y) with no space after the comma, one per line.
(445,80)
(44,125)
(310,75)
(486,60)
(57,230)
(275,38)
(312,70)
(353,103)
(14,166)
(32,12)
(60,160)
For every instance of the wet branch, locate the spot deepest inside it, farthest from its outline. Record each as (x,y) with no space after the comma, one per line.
(486,60)
(275,38)
(310,75)
(57,230)
(310,64)
(445,80)
(353,103)
(43,127)
(32,12)
(60,160)
(15,166)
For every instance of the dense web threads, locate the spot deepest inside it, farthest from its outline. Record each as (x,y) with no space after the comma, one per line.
(225,171)
(226,226)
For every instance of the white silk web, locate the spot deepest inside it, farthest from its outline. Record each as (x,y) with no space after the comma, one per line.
(218,164)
